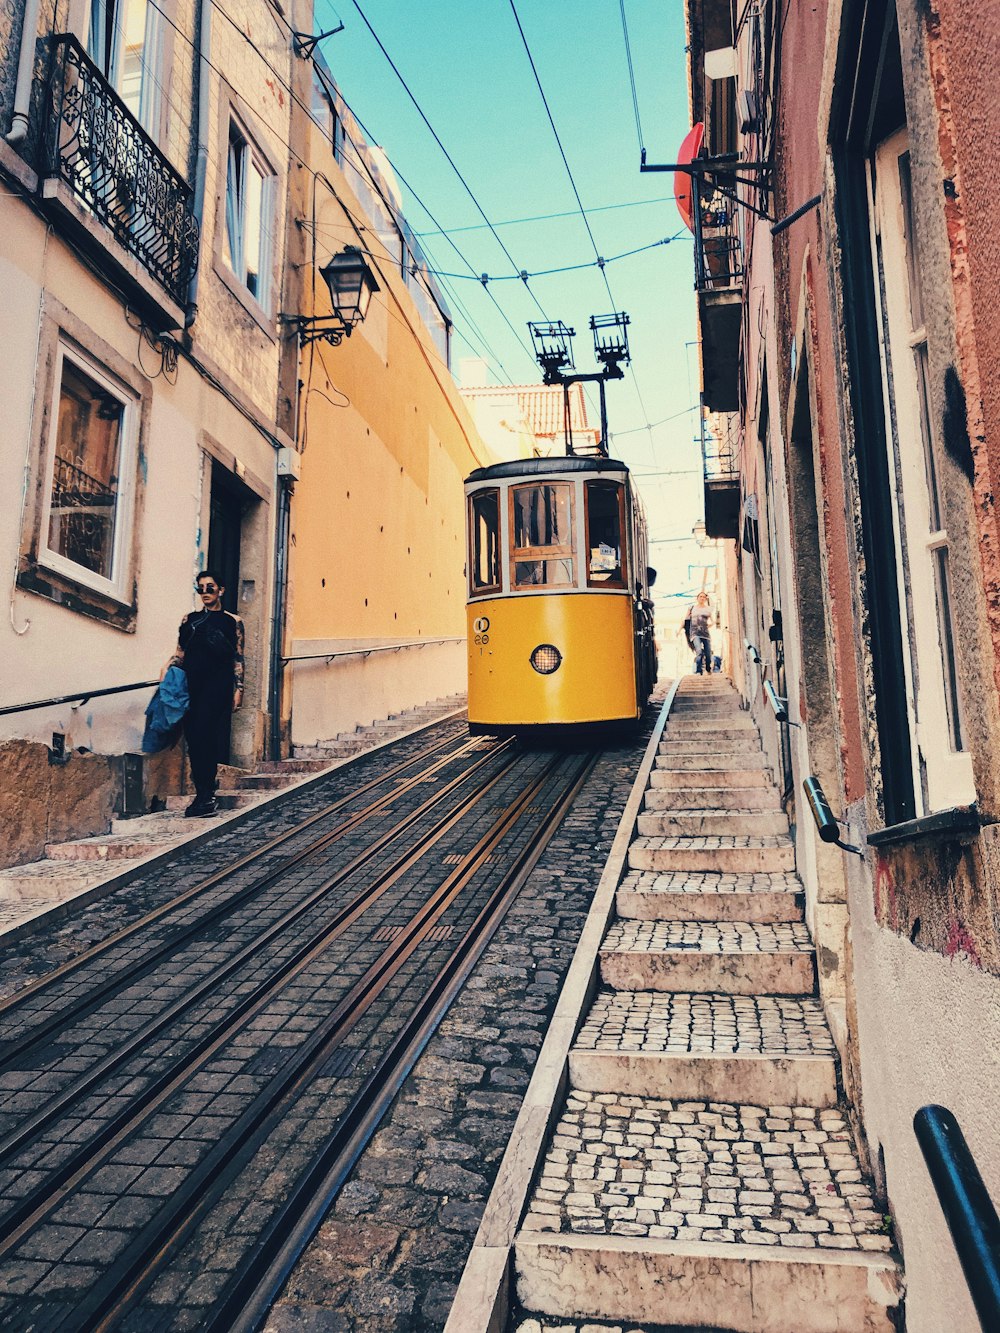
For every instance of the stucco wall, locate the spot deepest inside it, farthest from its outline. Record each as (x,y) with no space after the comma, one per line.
(378,541)
(929,1029)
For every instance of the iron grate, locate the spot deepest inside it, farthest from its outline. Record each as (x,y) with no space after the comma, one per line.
(385,934)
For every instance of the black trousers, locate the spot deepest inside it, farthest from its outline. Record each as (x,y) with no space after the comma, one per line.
(206,728)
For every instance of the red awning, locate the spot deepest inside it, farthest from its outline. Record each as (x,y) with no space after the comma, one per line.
(687,152)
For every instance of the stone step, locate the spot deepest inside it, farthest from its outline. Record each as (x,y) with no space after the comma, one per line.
(731,957)
(700,747)
(265,781)
(708,778)
(165,822)
(224,799)
(714,823)
(696,763)
(704,1214)
(718,853)
(694,801)
(646,895)
(762,1050)
(739,723)
(291,766)
(110,847)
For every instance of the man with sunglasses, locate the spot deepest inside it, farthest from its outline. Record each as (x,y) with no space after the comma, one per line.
(210,649)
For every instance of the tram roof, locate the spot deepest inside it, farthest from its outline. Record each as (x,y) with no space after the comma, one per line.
(545,467)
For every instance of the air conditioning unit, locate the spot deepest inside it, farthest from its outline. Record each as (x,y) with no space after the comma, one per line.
(748,112)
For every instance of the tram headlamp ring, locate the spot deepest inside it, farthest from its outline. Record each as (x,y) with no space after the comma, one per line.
(546,658)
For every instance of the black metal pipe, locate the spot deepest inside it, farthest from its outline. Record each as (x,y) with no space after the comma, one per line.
(826,823)
(779,706)
(801,211)
(967,1207)
(77,698)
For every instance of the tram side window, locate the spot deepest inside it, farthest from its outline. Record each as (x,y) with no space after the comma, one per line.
(604,535)
(485,523)
(543,535)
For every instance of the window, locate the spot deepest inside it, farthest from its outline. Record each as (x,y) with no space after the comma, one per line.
(542,527)
(484,525)
(606,567)
(88,504)
(124,40)
(943,769)
(247,238)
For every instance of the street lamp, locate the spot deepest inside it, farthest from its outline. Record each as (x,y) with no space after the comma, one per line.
(351,284)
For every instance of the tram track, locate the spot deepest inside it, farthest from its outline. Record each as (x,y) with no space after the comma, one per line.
(138,1266)
(13,1050)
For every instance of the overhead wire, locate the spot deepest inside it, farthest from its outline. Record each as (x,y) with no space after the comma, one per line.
(451,161)
(631,79)
(576,192)
(549,217)
(286,86)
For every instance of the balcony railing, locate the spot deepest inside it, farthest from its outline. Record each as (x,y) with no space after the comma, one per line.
(97,147)
(717,246)
(720,455)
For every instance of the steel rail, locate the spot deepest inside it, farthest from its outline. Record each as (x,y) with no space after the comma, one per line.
(245,1301)
(140,1263)
(36,1204)
(12,1049)
(60,1102)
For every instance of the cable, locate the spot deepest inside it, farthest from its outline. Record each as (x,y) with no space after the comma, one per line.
(485,278)
(549,217)
(449,158)
(631,76)
(576,192)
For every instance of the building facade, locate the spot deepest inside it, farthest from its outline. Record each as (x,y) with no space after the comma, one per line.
(165,176)
(851,388)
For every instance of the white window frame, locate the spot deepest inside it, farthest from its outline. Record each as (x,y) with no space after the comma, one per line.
(943,775)
(236,263)
(118,586)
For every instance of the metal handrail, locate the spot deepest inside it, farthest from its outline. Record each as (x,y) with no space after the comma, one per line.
(365,652)
(967,1207)
(76,698)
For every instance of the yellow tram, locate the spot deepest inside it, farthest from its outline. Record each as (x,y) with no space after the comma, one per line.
(560,621)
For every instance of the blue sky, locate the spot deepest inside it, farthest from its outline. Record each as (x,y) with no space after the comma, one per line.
(467,67)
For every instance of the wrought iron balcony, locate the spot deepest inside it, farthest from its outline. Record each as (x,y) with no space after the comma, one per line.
(93,143)
(719,271)
(720,453)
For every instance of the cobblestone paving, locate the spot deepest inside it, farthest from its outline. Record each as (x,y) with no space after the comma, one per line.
(708,937)
(389,1256)
(680,1024)
(634,1166)
(693,881)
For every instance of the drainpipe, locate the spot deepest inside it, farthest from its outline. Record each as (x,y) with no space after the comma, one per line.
(284,495)
(18,131)
(201,164)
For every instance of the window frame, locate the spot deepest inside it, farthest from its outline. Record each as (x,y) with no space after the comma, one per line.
(253,154)
(117,588)
(522,554)
(942,769)
(486,589)
(623,534)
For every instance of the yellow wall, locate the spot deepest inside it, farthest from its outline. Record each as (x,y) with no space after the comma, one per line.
(378,544)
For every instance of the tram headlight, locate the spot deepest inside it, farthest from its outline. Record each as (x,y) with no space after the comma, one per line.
(546,658)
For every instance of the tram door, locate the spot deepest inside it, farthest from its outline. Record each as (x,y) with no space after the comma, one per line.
(224,532)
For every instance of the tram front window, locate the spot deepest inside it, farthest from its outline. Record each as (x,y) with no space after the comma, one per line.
(485,522)
(604,534)
(542,527)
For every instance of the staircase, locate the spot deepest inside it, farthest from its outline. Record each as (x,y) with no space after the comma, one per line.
(703,1173)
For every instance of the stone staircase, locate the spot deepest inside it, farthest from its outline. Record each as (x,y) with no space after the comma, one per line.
(703,1174)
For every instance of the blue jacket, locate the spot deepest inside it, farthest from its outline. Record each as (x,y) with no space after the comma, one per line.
(165,711)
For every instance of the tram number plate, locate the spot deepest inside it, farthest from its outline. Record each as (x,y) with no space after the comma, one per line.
(481,626)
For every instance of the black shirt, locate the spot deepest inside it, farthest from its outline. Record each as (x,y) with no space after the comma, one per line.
(212,645)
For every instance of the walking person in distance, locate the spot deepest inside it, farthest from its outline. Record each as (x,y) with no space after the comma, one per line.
(210,649)
(698,625)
